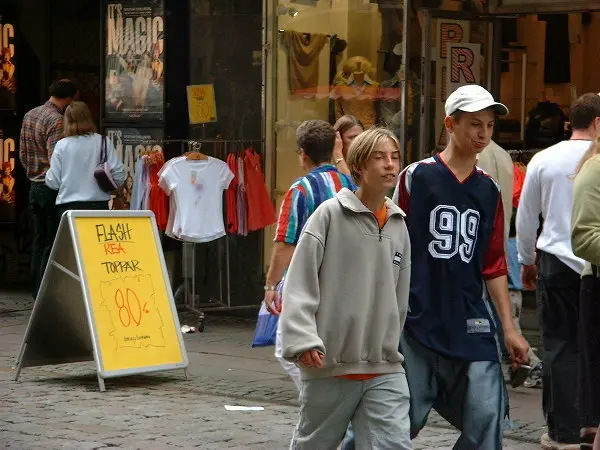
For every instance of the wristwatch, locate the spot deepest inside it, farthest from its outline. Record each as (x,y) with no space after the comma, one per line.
(338,160)
(269,288)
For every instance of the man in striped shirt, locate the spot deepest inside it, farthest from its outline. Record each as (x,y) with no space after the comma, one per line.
(315,142)
(42,128)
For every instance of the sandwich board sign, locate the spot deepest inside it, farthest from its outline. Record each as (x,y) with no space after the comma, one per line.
(105,296)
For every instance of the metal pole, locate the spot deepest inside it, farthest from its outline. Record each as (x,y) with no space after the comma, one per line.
(496,58)
(186,289)
(21,353)
(263,84)
(523,95)
(227,273)
(273,136)
(425,126)
(404,80)
(227,279)
(101,384)
(193,275)
(220,264)
(490,56)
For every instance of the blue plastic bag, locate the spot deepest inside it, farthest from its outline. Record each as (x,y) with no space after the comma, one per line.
(266,325)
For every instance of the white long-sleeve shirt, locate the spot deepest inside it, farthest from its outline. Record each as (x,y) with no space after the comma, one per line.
(548,190)
(72,168)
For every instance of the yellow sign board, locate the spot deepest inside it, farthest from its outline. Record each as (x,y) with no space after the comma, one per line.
(201,103)
(127,292)
(107,296)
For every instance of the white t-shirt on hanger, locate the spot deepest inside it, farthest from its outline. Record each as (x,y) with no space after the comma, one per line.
(171,222)
(198,187)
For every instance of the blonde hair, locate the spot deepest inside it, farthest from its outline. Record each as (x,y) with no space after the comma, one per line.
(357,64)
(363,145)
(78,120)
(346,122)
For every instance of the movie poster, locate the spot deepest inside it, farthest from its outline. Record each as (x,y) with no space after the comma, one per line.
(129,144)
(8,150)
(8,79)
(134,72)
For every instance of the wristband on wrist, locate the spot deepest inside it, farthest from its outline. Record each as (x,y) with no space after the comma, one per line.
(270,287)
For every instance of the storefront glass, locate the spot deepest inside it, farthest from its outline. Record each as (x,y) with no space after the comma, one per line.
(547,62)
(459,52)
(333,58)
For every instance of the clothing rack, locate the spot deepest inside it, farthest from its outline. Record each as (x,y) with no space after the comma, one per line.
(302,32)
(217,148)
(523,156)
(521,152)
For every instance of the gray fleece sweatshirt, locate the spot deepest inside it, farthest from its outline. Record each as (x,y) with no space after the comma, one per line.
(346,290)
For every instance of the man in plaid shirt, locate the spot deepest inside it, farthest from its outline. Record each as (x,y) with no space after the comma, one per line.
(42,129)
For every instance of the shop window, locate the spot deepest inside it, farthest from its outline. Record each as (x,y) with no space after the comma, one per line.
(333,58)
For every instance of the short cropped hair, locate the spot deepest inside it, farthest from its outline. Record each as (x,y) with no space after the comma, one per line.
(63,89)
(78,120)
(317,139)
(363,145)
(584,110)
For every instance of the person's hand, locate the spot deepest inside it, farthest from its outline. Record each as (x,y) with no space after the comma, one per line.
(517,347)
(338,148)
(312,359)
(273,302)
(528,277)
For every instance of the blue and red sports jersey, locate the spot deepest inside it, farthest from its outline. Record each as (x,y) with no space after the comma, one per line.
(304,197)
(457,241)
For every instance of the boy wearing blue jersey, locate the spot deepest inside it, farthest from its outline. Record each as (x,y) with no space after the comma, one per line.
(456,224)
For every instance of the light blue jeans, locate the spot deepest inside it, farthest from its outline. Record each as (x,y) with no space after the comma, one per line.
(377,408)
(469,394)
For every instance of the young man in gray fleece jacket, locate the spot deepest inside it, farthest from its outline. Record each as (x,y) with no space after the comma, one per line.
(346,299)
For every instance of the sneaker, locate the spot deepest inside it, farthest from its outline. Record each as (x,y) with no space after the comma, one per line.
(534,380)
(518,375)
(550,444)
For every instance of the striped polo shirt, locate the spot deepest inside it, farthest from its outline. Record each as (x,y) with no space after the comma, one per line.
(304,197)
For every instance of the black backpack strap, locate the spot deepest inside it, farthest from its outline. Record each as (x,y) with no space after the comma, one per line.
(595,270)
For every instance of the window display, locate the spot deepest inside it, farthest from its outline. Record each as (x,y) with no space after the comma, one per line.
(134,65)
(7,177)
(8,79)
(339,58)
(355,91)
(303,56)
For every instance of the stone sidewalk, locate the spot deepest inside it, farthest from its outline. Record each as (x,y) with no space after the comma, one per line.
(61,407)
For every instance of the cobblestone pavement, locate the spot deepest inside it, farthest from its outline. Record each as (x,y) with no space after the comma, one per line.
(54,407)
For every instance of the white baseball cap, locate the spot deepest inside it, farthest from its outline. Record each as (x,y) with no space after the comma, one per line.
(473,98)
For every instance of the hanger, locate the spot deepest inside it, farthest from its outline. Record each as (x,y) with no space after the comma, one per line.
(195,155)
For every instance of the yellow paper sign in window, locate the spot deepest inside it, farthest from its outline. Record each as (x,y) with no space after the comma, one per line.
(201,103)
